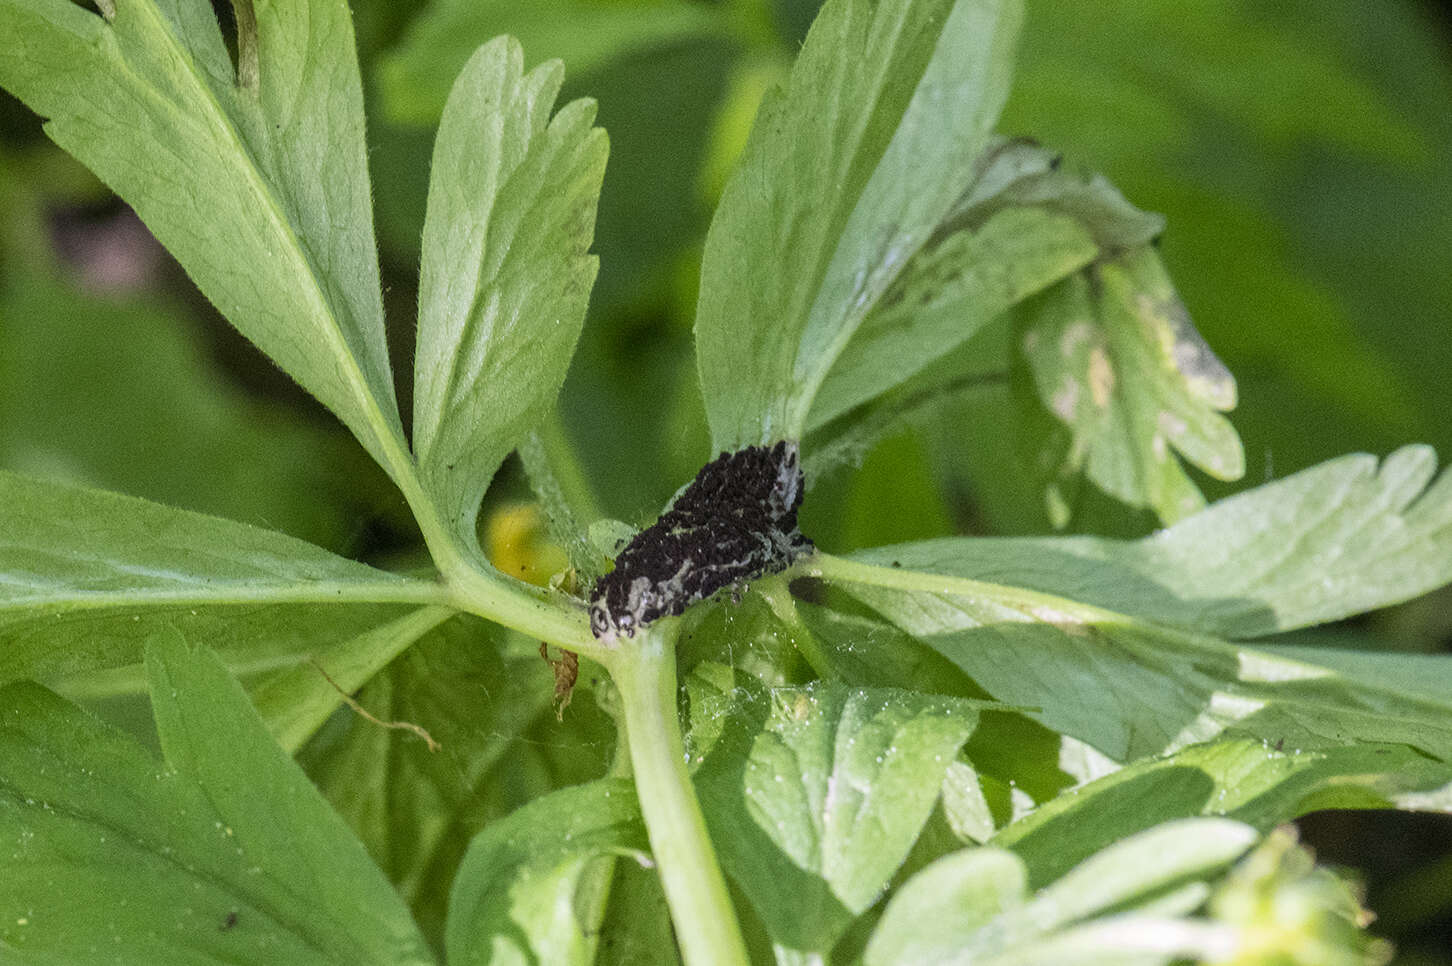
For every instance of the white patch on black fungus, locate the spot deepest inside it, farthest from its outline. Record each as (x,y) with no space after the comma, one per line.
(737,520)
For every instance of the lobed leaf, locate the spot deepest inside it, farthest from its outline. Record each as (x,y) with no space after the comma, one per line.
(1021,223)
(1329,542)
(815,795)
(506,275)
(1130,688)
(515,897)
(1114,358)
(226,853)
(257,183)
(847,172)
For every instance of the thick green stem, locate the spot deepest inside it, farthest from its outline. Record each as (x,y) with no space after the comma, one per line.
(471,586)
(644,670)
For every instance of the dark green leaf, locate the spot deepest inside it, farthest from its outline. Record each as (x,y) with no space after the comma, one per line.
(585,34)
(295,702)
(485,697)
(225,854)
(120,393)
(515,896)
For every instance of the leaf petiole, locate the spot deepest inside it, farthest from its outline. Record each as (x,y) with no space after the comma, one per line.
(705,920)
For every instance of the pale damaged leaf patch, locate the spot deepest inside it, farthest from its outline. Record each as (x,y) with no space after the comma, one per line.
(1110,364)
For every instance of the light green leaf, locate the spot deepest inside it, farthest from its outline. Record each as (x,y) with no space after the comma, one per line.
(295,702)
(968,889)
(974,906)
(85,576)
(1130,688)
(258,187)
(815,795)
(514,900)
(1113,356)
(955,285)
(224,854)
(965,806)
(915,187)
(848,171)
(506,274)
(1020,173)
(1022,224)
(417,75)
(1254,782)
(1329,542)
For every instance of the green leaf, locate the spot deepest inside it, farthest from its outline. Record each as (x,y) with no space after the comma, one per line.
(1130,688)
(1336,540)
(259,187)
(1019,173)
(956,284)
(637,927)
(1023,223)
(815,795)
(485,697)
(224,854)
(848,171)
(85,576)
(417,75)
(506,273)
(1254,782)
(1295,179)
(514,899)
(974,906)
(1113,357)
(295,702)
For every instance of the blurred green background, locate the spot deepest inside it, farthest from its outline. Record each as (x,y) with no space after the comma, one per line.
(1301,150)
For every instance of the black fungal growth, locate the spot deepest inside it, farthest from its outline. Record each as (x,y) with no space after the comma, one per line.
(737,520)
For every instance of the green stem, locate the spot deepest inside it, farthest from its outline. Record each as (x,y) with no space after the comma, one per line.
(778,597)
(475,588)
(1045,607)
(526,609)
(705,921)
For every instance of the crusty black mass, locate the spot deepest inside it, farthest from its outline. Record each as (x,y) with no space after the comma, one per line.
(737,520)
